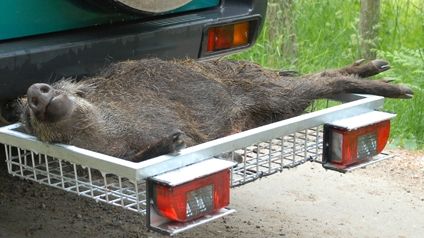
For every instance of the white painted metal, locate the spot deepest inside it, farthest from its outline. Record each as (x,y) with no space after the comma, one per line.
(139,171)
(362,120)
(192,172)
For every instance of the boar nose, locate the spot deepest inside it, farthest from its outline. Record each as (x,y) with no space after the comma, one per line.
(39,96)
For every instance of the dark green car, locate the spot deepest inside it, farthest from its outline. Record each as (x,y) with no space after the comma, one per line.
(46,40)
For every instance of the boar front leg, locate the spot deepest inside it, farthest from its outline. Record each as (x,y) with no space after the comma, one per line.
(171,144)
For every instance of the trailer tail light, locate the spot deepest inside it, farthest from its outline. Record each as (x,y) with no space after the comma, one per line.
(228,36)
(193,199)
(355,141)
(192,192)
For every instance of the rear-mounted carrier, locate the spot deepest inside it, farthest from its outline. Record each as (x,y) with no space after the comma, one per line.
(179,192)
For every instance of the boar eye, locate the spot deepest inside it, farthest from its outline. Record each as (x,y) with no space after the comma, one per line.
(80,94)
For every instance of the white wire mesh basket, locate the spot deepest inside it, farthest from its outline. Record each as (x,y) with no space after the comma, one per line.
(258,160)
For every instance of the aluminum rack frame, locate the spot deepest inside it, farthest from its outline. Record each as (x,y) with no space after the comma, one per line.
(264,150)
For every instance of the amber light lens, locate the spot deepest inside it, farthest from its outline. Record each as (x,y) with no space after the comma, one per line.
(228,36)
(194,199)
(351,147)
(241,34)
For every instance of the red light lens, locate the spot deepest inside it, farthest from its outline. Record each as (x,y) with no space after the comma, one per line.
(194,199)
(223,37)
(211,39)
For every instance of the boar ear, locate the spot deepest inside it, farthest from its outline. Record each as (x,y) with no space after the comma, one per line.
(25,116)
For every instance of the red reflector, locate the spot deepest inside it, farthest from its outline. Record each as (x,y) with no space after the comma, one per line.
(194,199)
(228,36)
(349,147)
(211,39)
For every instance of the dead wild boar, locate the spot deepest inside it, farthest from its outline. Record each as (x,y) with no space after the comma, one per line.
(137,110)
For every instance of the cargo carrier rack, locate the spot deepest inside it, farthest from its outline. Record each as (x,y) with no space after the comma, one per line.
(255,153)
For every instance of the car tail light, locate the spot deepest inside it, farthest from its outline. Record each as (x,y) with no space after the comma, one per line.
(179,197)
(349,145)
(228,36)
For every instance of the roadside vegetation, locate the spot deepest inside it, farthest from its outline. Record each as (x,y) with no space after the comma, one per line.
(307,36)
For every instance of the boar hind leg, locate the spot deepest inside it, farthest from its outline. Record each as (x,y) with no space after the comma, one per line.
(171,144)
(360,68)
(375,87)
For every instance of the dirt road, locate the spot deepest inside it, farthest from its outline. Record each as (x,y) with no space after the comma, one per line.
(386,200)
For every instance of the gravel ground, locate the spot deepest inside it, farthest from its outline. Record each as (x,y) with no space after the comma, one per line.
(384,200)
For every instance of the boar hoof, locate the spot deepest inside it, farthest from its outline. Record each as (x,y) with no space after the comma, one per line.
(406,92)
(177,141)
(380,65)
(366,69)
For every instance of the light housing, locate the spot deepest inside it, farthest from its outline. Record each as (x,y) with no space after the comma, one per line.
(356,140)
(229,36)
(192,192)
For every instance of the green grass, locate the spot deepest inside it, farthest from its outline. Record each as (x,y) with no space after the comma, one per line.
(327,37)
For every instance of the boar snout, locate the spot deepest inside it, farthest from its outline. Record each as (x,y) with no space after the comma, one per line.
(45,105)
(39,96)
